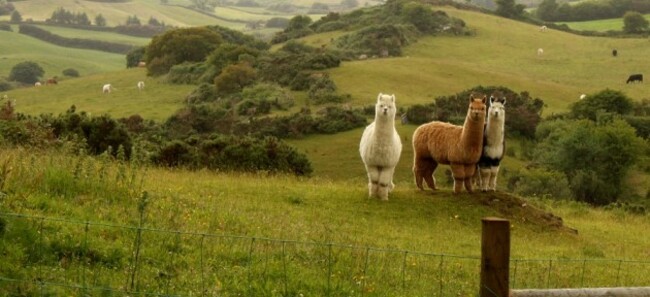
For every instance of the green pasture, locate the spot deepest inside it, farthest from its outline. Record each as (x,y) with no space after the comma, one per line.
(117,13)
(264,229)
(156,102)
(599,25)
(96,35)
(52,58)
(501,52)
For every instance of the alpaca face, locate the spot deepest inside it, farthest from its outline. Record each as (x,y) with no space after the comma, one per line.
(476,110)
(497,106)
(385,105)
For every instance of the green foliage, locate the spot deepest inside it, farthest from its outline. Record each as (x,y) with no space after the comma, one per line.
(62,16)
(197,118)
(45,35)
(6,27)
(100,21)
(277,96)
(547,10)
(234,78)
(235,153)
(186,73)
(135,56)
(380,40)
(634,22)
(203,93)
(16,17)
(550,10)
(508,9)
(180,45)
(298,27)
(227,54)
(608,101)
(27,72)
(539,182)
(71,72)
(277,22)
(323,90)
(133,20)
(5,85)
(640,124)
(594,156)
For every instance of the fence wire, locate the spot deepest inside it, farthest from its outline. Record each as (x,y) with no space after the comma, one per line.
(59,257)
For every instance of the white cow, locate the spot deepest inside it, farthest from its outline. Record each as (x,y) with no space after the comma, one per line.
(540,51)
(140,85)
(542,28)
(107,88)
(37,84)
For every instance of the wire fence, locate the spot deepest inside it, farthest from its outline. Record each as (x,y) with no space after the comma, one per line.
(59,257)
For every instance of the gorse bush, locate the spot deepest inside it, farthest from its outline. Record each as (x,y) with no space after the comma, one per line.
(234,153)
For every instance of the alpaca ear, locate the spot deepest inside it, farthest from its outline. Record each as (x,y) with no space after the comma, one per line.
(393,98)
(504,100)
(484,99)
(379,96)
(491,99)
(471,98)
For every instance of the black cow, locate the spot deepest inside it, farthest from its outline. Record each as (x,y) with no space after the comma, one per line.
(614,52)
(635,77)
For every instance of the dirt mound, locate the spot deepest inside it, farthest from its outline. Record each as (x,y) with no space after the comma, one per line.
(517,209)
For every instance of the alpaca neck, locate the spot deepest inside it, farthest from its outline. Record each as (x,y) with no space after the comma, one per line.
(472,134)
(384,126)
(494,131)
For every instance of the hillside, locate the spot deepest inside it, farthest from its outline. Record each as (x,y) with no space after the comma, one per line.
(53,59)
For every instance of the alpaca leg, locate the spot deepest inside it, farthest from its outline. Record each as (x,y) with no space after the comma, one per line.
(493,178)
(458,172)
(385,182)
(485,178)
(423,170)
(476,179)
(373,180)
(382,191)
(470,170)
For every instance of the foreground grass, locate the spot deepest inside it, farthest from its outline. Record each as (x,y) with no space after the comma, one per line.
(258,234)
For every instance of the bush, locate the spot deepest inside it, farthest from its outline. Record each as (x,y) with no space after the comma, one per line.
(609,101)
(274,94)
(6,27)
(539,182)
(186,73)
(203,93)
(26,72)
(5,85)
(71,72)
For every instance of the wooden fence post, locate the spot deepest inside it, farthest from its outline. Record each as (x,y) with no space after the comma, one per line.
(495,257)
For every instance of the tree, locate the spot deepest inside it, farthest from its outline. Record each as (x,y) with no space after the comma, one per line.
(634,22)
(180,45)
(16,17)
(154,22)
(595,156)
(547,10)
(508,9)
(133,21)
(82,19)
(135,56)
(609,101)
(26,72)
(298,22)
(234,78)
(100,21)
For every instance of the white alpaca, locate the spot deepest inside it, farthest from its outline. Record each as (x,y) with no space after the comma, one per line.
(494,144)
(381,147)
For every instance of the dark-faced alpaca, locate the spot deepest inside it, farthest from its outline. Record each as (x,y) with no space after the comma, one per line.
(380,148)
(494,143)
(443,143)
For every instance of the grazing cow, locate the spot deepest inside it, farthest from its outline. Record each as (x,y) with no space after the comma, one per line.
(51,81)
(614,52)
(635,77)
(107,88)
(37,84)
(542,28)
(140,85)
(540,51)
(583,96)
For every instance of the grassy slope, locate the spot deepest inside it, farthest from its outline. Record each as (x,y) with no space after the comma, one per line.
(156,102)
(502,52)
(599,25)
(117,13)
(53,59)
(96,35)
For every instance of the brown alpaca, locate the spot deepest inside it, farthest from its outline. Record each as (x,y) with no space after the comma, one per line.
(443,143)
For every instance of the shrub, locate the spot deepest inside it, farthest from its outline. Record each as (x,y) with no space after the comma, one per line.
(180,45)
(6,27)
(203,93)
(71,72)
(234,78)
(274,94)
(26,72)
(539,182)
(609,101)
(5,85)
(186,73)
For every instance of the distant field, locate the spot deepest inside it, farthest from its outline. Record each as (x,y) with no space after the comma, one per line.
(599,25)
(503,52)
(157,102)
(96,35)
(17,48)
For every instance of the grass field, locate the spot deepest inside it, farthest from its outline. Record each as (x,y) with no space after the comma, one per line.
(53,59)
(157,102)
(571,65)
(599,25)
(96,35)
